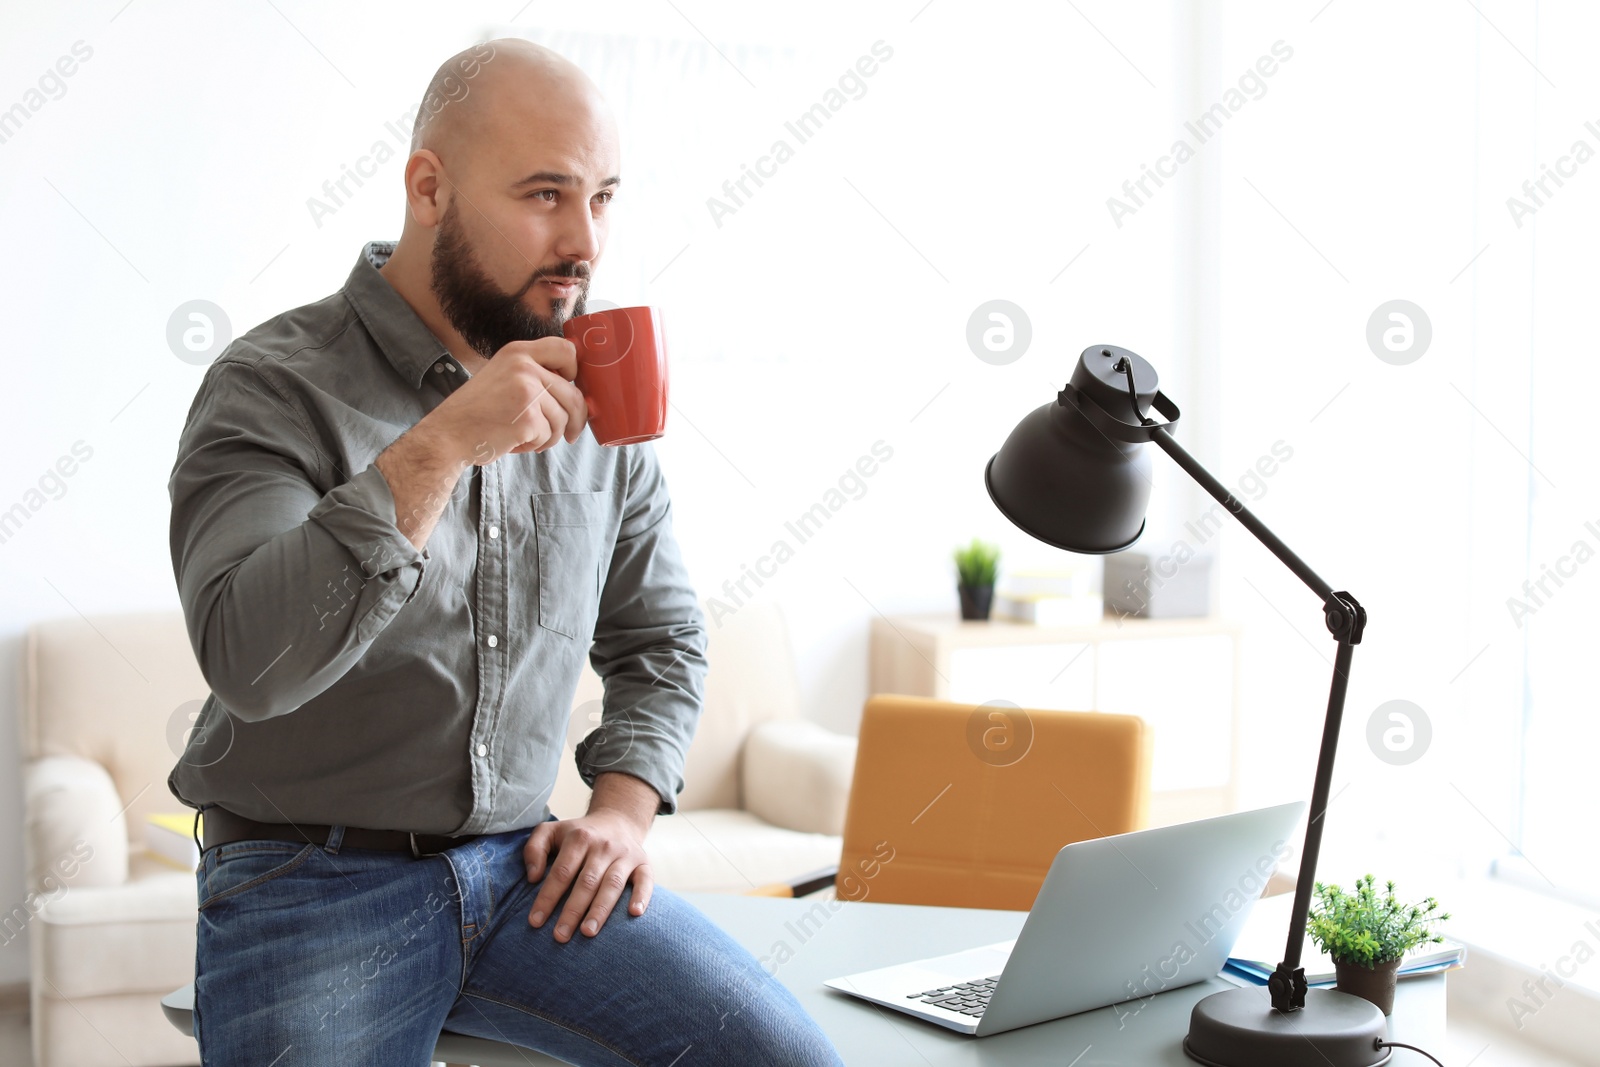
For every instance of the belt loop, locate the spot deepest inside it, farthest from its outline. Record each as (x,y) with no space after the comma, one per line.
(335,839)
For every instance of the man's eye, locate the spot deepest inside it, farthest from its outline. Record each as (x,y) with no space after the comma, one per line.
(605,197)
(541,192)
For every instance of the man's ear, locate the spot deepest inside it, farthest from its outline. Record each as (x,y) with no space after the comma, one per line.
(426,187)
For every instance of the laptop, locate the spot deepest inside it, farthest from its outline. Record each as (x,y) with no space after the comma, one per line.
(1117,919)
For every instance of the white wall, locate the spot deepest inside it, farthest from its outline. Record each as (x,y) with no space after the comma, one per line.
(1382,169)
(827,313)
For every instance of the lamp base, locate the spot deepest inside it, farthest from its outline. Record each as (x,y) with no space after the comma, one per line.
(1240,1028)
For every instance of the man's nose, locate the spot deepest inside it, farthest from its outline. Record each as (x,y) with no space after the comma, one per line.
(579,238)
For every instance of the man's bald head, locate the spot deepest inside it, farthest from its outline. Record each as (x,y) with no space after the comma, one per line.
(480,92)
(514,164)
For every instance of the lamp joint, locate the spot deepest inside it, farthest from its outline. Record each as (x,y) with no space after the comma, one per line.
(1346,618)
(1287,988)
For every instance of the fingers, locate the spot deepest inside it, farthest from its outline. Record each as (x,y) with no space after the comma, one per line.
(571,406)
(611,886)
(597,873)
(577,409)
(551,425)
(553,353)
(537,850)
(643,886)
(569,859)
(540,421)
(561,356)
(525,399)
(537,431)
(585,895)
(557,410)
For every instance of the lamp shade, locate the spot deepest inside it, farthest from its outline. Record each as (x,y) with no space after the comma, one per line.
(1075,473)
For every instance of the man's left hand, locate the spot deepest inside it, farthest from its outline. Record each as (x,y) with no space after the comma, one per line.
(597,856)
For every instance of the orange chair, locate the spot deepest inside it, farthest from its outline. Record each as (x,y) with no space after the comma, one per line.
(966,806)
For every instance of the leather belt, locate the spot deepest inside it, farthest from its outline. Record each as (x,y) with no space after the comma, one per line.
(219,826)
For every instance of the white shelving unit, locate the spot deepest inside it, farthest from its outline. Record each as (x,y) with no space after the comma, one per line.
(1180,675)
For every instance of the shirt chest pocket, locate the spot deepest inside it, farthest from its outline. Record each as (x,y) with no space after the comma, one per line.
(573,536)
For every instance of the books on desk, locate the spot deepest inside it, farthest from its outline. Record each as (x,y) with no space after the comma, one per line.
(1062,596)
(1260,947)
(1047,610)
(170,836)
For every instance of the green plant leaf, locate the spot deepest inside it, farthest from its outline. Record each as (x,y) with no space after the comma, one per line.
(1365,928)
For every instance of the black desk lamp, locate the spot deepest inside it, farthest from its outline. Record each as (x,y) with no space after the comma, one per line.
(1075,475)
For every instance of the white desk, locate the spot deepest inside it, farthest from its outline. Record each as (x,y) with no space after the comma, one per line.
(823,939)
(858,937)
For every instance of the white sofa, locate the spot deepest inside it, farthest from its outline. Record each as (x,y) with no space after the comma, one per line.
(111,928)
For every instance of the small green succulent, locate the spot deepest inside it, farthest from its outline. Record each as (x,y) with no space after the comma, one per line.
(978,563)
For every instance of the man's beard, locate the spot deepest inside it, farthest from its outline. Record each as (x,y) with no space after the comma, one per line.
(486,318)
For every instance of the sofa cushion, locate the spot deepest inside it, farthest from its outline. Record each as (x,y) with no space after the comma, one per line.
(75,831)
(138,937)
(796,774)
(730,851)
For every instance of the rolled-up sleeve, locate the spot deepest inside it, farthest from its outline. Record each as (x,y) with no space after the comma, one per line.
(649,646)
(283,585)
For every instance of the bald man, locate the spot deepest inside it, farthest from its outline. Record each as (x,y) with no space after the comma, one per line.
(395,544)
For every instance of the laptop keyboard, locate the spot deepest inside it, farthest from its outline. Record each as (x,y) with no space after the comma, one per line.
(967,998)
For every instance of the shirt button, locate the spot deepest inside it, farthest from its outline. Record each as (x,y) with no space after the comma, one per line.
(493,640)
(494,531)
(438,368)
(483,750)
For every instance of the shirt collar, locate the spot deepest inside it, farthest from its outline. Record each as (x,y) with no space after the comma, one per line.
(402,335)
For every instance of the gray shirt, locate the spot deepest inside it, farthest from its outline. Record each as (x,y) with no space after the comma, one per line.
(357,680)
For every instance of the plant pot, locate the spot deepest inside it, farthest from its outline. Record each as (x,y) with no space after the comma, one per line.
(975,600)
(1375,983)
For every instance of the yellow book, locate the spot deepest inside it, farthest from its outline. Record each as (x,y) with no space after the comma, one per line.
(170,837)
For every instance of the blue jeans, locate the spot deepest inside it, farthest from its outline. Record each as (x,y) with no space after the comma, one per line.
(313,955)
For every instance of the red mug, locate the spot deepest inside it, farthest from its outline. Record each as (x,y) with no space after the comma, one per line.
(622,372)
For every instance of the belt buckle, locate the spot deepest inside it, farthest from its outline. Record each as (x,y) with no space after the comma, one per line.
(411,835)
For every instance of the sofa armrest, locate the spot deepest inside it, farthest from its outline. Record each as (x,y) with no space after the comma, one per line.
(75,830)
(796,775)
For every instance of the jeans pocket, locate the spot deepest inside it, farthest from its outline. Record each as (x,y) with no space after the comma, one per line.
(572,533)
(231,869)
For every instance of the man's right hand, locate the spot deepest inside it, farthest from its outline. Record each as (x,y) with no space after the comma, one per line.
(523,400)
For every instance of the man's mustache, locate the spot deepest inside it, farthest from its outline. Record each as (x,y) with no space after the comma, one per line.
(561,270)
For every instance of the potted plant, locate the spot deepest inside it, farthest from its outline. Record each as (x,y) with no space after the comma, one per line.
(976,566)
(1367,935)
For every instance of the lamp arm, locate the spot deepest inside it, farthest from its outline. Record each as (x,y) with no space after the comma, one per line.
(1288,982)
(1171,447)
(1346,620)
